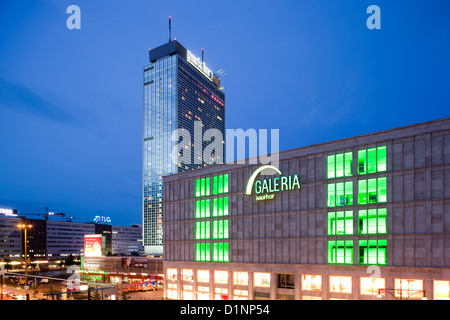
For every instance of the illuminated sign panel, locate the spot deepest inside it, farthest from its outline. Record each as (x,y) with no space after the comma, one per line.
(266,189)
(92,245)
(102,220)
(197,62)
(8,212)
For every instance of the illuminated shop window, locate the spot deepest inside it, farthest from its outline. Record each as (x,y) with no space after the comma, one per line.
(202,252)
(220,277)
(372,191)
(240,294)
(441,290)
(340,194)
(202,275)
(369,286)
(262,279)
(220,252)
(188,292)
(286,281)
(187,275)
(408,289)
(171,273)
(202,208)
(372,221)
(340,223)
(172,294)
(221,294)
(240,278)
(372,160)
(340,284)
(339,165)
(203,293)
(202,230)
(340,252)
(372,252)
(311,282)
(220,229)
(220,184)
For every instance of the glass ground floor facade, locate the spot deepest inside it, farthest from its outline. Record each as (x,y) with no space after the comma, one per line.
(195,281)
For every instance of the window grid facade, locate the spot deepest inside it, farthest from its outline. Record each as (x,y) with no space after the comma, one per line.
(209,226)
(353,220)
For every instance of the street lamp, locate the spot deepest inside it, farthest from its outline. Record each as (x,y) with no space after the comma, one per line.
(25,227)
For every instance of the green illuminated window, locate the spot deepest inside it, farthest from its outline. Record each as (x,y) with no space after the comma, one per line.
(220,207)
(372,251)
(220,252)
(340,223)
(202,252)
(207,228)
(372,160)
(202,230)
(340,252)
(220,184)
(372,191)
(339,165)
(372,221)
(340,194)
(220,229)
(202,208)
(202,187)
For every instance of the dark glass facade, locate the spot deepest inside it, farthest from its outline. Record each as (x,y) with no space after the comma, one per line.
(177,95)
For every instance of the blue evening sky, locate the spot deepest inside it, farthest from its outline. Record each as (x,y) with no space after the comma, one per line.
(71,100)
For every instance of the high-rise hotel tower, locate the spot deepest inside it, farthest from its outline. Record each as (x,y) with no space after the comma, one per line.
(182,100)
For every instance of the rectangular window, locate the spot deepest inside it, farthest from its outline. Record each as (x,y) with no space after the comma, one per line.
(240,278)
(372,221)
(262,279)
(331,169)
(341,284)
(220,229)
(372,286)
(202,230)
(220,277)
(220,252)
(202,208)
(220,207)
(340,252)
(311,282)
(197,188)
(202,275)
(339,165)
(408,289)
(340,223)
(372,191)
(340,194)
(286,281)
(372,160)
(220,184)
(441,290)
(372,252)
(202,252)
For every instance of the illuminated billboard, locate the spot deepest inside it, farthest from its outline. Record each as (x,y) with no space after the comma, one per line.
(92,245)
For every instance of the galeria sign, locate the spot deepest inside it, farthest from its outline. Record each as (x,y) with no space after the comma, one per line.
(266,189)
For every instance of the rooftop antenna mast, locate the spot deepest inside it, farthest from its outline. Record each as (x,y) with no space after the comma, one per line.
(203,57)
(170,29)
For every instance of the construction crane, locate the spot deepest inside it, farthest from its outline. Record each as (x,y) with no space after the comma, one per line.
(47,214)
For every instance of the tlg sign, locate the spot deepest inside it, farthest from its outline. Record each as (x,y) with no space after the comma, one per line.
(102,220)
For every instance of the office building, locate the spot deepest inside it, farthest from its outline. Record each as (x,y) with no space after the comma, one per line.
(367,217)
(180,93)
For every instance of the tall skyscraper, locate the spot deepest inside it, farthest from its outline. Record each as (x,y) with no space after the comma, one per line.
(180,93)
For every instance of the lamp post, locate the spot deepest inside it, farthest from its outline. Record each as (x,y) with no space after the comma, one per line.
(25,227)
